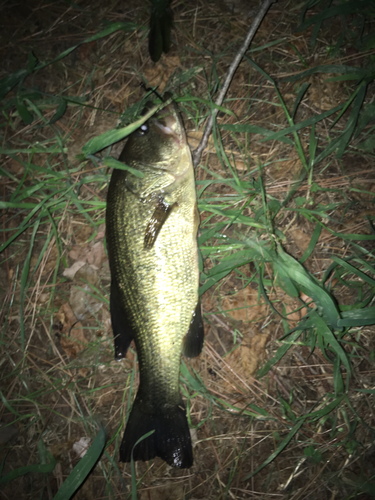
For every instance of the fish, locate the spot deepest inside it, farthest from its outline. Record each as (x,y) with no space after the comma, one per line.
(151,233)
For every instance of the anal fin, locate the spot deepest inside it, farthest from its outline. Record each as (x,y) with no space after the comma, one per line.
(193,341)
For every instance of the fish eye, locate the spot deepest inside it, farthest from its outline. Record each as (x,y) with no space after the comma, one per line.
(143,130)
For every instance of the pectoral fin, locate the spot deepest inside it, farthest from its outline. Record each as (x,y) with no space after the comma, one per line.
(157,220)
(193,341)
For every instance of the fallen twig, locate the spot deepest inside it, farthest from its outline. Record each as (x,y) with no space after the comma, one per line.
(197,153)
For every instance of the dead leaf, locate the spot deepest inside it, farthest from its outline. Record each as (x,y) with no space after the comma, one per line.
(73,339)
(49,260)
(15,167)
(101,232)
(159,74)
(83,372)
(79,253)
(60,448)
(246,359)
(81,299)
(96,254)
(286,169)
(240,165)
(43,298)
(301,239)
(194,137)
(7,432)
(289,306)
(82,302)
(325,94)
(93,254)
(80,447)
(244,305)
(85,49)
(106,320)
(71,271)
(82,234)
(165,491)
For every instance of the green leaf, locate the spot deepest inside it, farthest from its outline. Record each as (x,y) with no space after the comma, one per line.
(112,163)
(10,81)
(59,111)
(112,136)
(338,383)
(311,453)
(356,318)
(24,112)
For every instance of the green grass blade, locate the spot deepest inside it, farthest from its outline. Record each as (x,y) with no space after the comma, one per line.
(278,450)
(24,112)
(112,163)
(314,240)
(132,466)
(354,270)
(221,270)
(112,28)
(279,353)
(301,93)
(254,129)
(60,111)
(337,10)
(330,338)
(350,72)
(299,126)
(23,284)
(83,468)
(112,136)
(290,267)
(29,469)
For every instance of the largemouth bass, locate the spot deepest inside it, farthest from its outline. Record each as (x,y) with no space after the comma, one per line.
(152,225)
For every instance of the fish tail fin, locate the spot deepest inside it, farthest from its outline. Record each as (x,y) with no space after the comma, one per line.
(171,438)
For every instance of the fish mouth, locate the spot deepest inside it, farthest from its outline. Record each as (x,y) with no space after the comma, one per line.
(169,123)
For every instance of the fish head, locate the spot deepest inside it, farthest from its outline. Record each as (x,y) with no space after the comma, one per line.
(160,143)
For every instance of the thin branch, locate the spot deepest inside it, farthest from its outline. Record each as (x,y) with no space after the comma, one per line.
(197,153)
